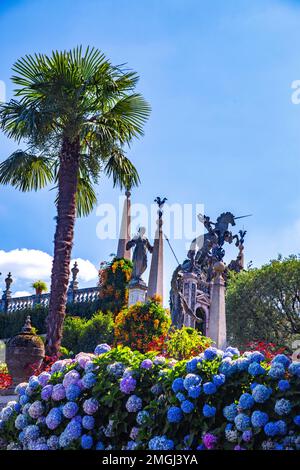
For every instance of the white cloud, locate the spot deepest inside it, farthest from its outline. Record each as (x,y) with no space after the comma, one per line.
(30,265)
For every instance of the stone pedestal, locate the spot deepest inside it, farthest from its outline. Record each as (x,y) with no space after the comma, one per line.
(217,315)
(137,293)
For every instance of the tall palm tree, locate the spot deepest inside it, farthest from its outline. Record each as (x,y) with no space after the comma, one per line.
(75,112)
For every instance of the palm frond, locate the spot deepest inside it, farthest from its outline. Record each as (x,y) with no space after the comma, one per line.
(121,169)
(26,172)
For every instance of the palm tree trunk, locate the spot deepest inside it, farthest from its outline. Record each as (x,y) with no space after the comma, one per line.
(63,242)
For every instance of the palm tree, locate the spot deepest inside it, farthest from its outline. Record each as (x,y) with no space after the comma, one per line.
(75,112)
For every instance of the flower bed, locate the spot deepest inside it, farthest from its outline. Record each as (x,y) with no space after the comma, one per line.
(119,399)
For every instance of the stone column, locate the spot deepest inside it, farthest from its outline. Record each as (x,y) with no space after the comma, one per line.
(217,314)
(137,293)
(189,293)
(156,276)
(124,237)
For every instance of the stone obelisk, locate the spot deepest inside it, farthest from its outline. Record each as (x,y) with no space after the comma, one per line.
(156,276)
(124,237)
(217,314)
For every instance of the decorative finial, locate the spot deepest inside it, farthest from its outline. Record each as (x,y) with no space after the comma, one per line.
(8,281)
(27,328)
(160,202)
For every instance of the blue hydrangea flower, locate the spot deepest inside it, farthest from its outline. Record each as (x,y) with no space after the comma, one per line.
(282,427)
(156,389)
(219,380)
(246,401)
(284,385)
(160,443)
(259,419)
(24,399)
(90,406)
(230,412)
(64,440)
(86,441)
(276,371)
(100,446)
(208,411)
(297,420)
(21,388)
(210,353)
(159,360)
(194,391)
(21,422)
(88,422)
(134,404)
(242,422)
(187,406)
(53,442)
(233,351)
(243,363)
(283,407)
(89,380)
(174,414)
(142,417)
(281,359)
(54,418)
(191,380)
(209,388)
(134,433)
(180,396)
(271,429)
(127,384)
(191,365)
(261,393)
(31,432)
(33,382)
(178,385)
(73,391)
(73,429)
(294,368)
(131,445)
(256,369)
(101,349)
(256,356)
(70,409)
(6,413)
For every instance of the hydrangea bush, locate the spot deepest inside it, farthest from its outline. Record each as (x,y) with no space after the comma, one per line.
(120,399)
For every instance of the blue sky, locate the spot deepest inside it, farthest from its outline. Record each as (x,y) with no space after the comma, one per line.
(223,129)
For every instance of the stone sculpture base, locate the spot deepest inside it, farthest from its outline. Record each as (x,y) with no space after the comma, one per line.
(137,293)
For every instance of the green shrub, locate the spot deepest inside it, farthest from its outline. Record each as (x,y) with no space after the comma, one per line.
(80,334)
(185,343)
(12,323)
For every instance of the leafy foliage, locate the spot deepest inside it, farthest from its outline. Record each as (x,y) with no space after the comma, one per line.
(264,303)
(185,343)
(80,334)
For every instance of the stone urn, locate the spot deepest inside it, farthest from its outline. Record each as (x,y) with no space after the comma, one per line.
(24,354)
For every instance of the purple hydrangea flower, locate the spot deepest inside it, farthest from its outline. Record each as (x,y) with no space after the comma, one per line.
(58,392)
(44,378)
(88,422)
(71,377)
(146,364)
(127,384)
(90,406)
(209,440)
(53,442)
(247,435)
(31,432)
(46,392)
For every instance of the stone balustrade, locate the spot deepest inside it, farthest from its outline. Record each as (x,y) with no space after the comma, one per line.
(10,304)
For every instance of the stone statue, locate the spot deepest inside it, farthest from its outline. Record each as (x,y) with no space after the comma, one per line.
(141,244)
